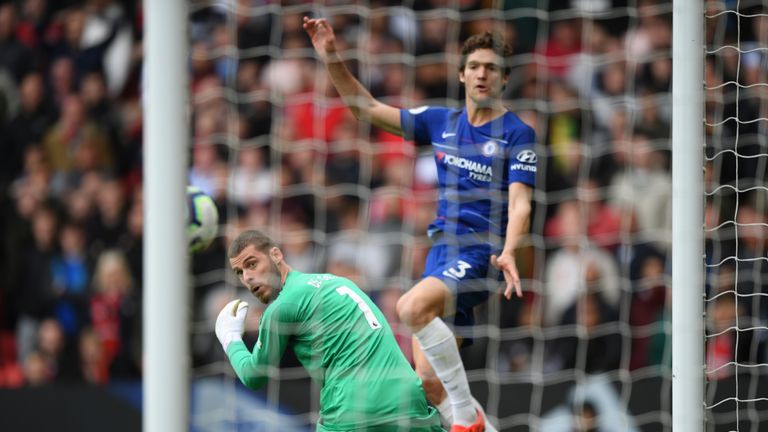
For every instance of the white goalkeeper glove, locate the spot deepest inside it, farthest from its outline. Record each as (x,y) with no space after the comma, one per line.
(231,322)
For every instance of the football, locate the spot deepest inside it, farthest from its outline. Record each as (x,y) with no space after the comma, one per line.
(202,219)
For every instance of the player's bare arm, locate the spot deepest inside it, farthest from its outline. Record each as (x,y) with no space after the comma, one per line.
(363,105)
(519,196)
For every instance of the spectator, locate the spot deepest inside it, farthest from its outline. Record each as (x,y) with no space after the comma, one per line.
(560,50)
(133,243)
(603,223)
(722,349)
(93,366)
(584,417)
(645,188)
(57,351)
(32,23)
(298,245)
(517,353)
(115,311)
(34,294)
(84,38)
(108,228)
(99,110)
(597,345)
(61,79)
(208,171)
(75,145)
(652,34)
(37,372)
(14,56)
(649,303)
(611,93)
(252,180)
(577,263)
(26,128)
(70,273)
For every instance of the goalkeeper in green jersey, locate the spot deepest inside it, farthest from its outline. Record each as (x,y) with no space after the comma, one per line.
(337,333)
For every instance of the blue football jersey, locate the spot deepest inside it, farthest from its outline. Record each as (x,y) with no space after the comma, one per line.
(475,165)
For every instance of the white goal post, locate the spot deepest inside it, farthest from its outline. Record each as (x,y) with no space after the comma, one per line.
(166,298)
(687,216)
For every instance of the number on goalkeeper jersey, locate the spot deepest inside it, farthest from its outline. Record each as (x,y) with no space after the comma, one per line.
(362,305)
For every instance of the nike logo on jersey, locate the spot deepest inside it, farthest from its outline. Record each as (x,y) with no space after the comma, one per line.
(447,134)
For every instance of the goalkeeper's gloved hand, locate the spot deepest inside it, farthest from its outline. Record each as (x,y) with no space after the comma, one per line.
(231,322)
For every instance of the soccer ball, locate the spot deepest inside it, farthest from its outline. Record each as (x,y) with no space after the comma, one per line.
(202,219)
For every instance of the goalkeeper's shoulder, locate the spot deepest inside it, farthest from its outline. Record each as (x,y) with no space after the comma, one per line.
(322,280)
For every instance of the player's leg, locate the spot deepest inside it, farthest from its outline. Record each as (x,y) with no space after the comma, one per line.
(421,310)
(434,388)
(432,385)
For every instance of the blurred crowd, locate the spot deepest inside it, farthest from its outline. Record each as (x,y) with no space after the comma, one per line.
(277,149)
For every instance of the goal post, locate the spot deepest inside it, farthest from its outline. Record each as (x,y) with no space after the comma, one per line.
(166,291)
(687,216)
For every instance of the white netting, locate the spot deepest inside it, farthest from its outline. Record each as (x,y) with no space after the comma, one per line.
(737,199)
(589,344)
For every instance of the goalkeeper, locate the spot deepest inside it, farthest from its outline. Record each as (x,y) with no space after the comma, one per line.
(337,333)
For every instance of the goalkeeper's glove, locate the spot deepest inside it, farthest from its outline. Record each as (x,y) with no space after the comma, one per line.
(231,322)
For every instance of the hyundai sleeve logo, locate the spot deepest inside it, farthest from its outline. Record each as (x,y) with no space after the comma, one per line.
(527,156)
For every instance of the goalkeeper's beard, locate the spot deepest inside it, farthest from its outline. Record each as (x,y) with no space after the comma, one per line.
(275,284)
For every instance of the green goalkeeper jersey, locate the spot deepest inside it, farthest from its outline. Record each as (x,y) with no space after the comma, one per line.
(345,343)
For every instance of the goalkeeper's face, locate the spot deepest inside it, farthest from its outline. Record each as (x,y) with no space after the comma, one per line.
(258,272)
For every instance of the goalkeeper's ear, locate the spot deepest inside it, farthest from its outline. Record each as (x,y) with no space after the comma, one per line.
(276,255)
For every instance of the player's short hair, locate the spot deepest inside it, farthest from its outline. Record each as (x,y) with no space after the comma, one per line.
(261,241)
(486,40)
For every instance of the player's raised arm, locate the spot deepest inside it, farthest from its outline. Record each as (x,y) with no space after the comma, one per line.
(519,219)
(357,98)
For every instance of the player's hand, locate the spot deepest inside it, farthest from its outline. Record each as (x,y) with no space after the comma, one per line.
(231,322)
(505,262)
(323,38)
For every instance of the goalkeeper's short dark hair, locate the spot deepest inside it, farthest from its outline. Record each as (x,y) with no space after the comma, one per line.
(486,40)
(261,241)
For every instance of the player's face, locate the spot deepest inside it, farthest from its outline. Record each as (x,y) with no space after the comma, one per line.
(483,76)
(258,272)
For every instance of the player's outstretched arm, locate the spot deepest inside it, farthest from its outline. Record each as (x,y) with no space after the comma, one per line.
(357,98)
(519,219)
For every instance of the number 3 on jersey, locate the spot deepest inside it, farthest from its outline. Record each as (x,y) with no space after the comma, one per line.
(459,271)
(367,312)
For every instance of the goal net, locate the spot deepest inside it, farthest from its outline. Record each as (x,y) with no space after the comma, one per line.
(736,36)
(589,344)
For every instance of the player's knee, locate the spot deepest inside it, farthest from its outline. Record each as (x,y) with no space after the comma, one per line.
(414,311)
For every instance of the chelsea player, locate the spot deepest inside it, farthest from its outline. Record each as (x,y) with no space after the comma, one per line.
(486,166)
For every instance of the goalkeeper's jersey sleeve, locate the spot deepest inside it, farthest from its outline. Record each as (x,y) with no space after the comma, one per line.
(345,343)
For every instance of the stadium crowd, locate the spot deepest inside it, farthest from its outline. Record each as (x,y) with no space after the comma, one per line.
(282,152)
